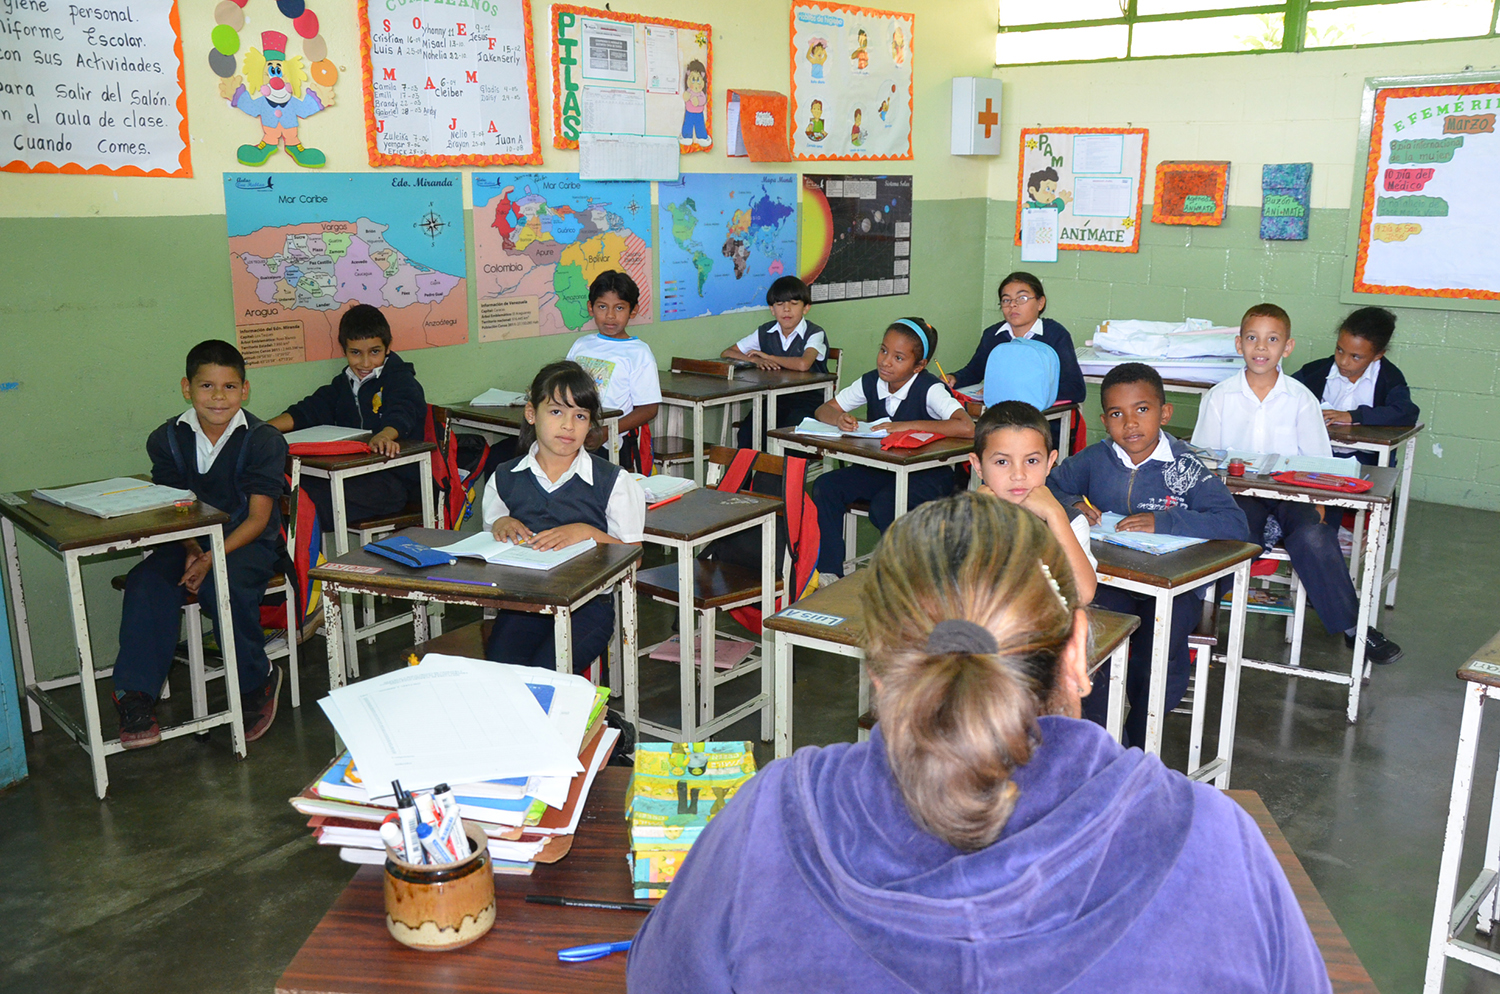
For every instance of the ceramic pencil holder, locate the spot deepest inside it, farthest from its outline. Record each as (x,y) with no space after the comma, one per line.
(447,906)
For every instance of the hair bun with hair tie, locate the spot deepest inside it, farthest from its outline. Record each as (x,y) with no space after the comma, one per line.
(959,635)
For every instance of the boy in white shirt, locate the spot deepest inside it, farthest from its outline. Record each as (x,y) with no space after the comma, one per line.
(623,367)
(1260,410)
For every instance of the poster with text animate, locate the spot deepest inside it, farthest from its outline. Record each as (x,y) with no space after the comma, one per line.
(851,82)
(449,85)
(1092,177)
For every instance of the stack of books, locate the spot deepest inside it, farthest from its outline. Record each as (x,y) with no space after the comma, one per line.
(676,790)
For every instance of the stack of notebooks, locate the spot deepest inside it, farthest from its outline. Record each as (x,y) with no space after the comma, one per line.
(677,789)
(454,723)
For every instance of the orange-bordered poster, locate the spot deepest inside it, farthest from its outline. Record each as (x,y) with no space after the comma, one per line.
(1190,192)
(852,90)
(629,74)
(96,96)
(1426,228)
(1093,178)
(449,85)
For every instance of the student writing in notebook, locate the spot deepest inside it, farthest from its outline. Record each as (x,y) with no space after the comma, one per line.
(983,839)
(556,495)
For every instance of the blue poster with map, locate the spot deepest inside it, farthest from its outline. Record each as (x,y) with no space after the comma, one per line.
(725,238)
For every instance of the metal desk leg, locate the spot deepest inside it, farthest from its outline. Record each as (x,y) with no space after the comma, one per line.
(1369,592)
(341,546)
(688,676)
(225,629)
(861,735)
(23,627)
(629,639)
(1399,539)
(697,449)
(613,424)
(1453,835)
(768,608)
(1156,701)
(770,418)
(1229,710)
(1114,715)
(333,621)
(95,744)
(903,487)
(562,638)
(709,638)
(782,652)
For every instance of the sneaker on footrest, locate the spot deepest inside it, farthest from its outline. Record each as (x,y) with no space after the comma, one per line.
(259,707)
(1378,649)
(138,727)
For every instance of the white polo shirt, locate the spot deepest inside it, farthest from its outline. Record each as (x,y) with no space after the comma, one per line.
(208,451)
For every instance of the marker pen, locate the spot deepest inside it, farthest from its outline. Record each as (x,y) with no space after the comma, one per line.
(406,811)
(390,834)
(447,805)
(435,852)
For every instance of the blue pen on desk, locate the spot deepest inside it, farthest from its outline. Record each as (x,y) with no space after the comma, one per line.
(597,950)
(471,583)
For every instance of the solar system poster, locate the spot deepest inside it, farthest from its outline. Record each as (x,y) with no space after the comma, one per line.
(856,236)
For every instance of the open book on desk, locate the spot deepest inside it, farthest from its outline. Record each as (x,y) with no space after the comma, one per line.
(866,429)
(483,545)
(1149,542)
(114,498)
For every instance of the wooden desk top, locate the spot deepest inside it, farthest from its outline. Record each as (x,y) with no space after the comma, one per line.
(869,448)
(63,529)
(1484,666)
(507,418)
(1373,434)
(517,587)
(409,446)
(1175,569)
(704,511)
(697,388)
(1384,478)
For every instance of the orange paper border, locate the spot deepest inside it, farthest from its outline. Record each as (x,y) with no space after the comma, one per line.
(558,141)
(378,158)
(911,86)
(185,158)
(1221,170)
(1372,170)
(1140,187)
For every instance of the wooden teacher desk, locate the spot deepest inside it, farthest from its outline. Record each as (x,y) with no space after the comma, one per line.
(350,951)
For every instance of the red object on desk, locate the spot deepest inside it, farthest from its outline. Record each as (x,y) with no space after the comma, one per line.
(908,439)
(345,448)
(1324,481)
(662,503)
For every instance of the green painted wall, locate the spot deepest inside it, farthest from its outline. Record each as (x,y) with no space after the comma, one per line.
(1216,273)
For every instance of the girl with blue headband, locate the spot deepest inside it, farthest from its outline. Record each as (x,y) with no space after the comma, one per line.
(899,388)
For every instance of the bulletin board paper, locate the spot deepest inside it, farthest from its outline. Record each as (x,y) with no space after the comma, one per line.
(849,61)
(1093,177)
(604,51)
(448,85)
(1426,227)
(102,97)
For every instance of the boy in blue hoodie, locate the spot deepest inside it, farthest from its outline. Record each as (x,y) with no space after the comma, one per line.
(1160,486)
(378,392)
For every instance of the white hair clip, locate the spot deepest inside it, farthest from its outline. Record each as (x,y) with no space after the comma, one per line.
(1056,587)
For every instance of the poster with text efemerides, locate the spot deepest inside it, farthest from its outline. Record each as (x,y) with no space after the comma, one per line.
(1430,211)
(1093,178)
(851,82)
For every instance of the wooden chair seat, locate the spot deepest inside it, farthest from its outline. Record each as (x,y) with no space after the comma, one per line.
(409,516)
(671,449)
(715,584)
(861,506)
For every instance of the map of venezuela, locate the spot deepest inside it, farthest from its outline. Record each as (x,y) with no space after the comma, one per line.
(732,235)
(304,249)
(542,238)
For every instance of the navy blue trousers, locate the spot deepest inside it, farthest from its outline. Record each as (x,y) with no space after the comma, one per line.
(1316,556)
(791,408)
(832,492)
(1187,611)
(526,639)
(151,618)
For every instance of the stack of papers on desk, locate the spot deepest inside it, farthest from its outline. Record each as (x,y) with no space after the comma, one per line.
(324,433)
(483,545)
(866,429)
(116,497)
(494,397)
(1149,542)
(660,487)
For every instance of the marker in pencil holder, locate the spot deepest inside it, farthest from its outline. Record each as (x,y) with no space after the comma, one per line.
(447,906)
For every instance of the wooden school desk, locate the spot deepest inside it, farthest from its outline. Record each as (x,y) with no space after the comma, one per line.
(867,452)
(1383,441)
(696,392)
(1376,503)
(686,525)
(470,581)
(1163,578)
(350,951)
(508,421)
(831,620)
(73,536)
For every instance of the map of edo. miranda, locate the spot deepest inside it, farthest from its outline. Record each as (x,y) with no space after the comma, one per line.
(304,248)
(540,239)
(731,235)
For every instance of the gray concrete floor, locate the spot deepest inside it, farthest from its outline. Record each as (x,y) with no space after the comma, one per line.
(196,875)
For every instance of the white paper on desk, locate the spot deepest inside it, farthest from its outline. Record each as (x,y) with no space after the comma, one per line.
(495,397)
(1255,462)
(637,157)
(613,110)
(483,545)
(449,720)
(661,486)
(1039,234)
(86,491)
(324,433)
(1149,542)
(1348,466)
(866,429)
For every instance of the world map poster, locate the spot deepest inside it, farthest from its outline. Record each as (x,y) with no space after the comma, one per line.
(304,248)
(540,239)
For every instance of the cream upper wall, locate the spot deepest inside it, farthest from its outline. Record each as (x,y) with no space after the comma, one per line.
(1249,109)
(750,49)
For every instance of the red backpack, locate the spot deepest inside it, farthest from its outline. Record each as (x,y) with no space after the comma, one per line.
(455,491)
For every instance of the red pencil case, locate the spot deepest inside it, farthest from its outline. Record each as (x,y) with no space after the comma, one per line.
(346,448)
(1324,481)
(908,439)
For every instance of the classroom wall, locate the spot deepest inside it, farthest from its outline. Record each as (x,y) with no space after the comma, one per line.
(1253,109)
(108,281)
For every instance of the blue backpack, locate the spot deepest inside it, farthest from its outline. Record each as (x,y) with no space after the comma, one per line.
(1022,369)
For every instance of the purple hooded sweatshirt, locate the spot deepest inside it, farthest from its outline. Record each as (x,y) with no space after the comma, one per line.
(1113,874)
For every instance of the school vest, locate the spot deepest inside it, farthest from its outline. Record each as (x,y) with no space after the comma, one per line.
(572,503)
(189,470)
(913,408)
(770,343)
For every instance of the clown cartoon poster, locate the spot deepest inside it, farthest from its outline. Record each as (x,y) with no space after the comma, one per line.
(851,82)
(276,87)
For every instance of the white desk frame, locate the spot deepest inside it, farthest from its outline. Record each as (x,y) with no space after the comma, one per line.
(1386,455)
(759,419)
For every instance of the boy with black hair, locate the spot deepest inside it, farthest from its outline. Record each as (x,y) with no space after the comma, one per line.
(1160,486)
(377,392)
(1358,384)
(233,461)
(623,367)
(788,341)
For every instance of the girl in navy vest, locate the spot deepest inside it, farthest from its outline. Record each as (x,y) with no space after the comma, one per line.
(1023,303)
(789,341)
(556,495)
(900,388)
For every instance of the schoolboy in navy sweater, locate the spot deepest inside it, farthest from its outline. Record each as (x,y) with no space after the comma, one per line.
(377,392)
(789,341)
(1358,383)
(233,461)
(1153,479)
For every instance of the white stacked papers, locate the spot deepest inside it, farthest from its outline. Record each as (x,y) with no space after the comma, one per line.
(660,487)
(1347,466)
